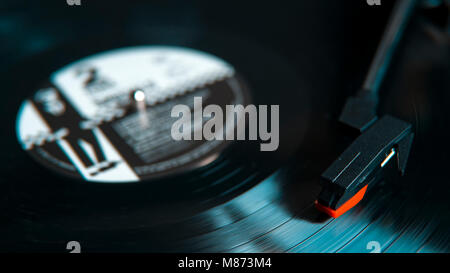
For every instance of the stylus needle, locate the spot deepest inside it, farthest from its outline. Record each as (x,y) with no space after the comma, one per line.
(346,180)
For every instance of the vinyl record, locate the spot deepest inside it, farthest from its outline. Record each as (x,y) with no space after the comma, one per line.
(57,146)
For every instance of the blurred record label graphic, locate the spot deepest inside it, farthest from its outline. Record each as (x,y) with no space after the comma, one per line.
(107,117)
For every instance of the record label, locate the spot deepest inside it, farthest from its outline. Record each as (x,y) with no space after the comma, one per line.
(107,117)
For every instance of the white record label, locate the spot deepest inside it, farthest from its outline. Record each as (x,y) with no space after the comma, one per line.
(107,117)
